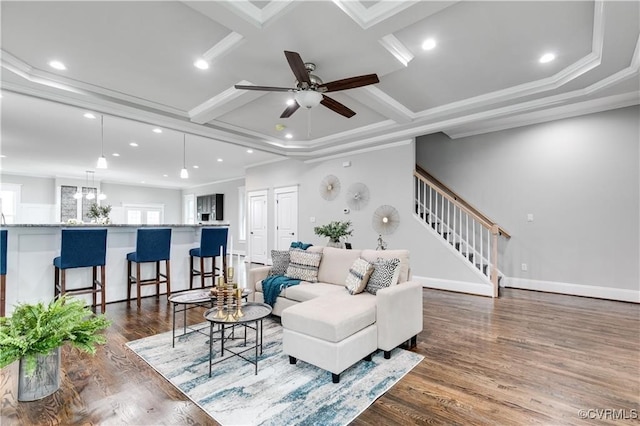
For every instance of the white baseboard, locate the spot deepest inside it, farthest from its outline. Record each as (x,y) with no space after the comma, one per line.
(573,289)
(458,286)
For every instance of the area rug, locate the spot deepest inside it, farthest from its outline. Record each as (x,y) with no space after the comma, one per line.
(281,393)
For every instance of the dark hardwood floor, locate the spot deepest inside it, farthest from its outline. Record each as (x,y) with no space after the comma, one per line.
(526,358)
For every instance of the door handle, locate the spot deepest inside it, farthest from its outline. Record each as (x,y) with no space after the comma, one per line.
(293,233)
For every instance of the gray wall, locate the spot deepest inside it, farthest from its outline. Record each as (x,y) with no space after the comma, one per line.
(36,190)
(117,195)
(579,177)
(388,173)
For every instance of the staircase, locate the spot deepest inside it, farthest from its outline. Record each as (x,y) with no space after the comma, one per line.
(469,232)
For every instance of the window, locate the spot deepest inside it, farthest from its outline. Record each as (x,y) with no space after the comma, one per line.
(144,214)
(9,201)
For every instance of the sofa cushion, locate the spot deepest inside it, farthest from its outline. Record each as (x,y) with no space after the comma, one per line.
(280,262)
(307,291)
(358,276)
(335,265)
(303,265)
(403,255)
(332,318)
(385,274)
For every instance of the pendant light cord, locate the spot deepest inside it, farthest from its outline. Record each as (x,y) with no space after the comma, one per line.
(184,151)
(102,135)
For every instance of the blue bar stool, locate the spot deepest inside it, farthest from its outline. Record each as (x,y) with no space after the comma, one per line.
(152,245)
(82,248)
(3,271)
(211,239)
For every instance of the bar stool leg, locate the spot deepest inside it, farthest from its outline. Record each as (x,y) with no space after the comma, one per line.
(138,286)
(94,285)
(202,272)
(167,269)
(128,282)
(56,282)
(158,280)
(190,272)
(63,282)
(3,294)
(103,285)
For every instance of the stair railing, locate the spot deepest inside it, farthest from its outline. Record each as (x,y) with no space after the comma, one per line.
(470,232)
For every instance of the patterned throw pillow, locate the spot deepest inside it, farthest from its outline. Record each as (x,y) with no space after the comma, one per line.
(280,260)
(358,276)
(385,274)
(303,265)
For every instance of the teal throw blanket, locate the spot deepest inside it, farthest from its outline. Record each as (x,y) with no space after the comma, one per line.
(273,285)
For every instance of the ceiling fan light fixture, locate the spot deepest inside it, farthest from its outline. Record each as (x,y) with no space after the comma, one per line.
(201,64)
(428,44)
(308,98)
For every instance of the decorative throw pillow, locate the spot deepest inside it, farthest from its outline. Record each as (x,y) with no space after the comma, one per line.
(358,276)
(385,274)
(280,263)
(303,265)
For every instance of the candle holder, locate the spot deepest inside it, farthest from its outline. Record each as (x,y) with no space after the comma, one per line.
(230,274)
(238,314)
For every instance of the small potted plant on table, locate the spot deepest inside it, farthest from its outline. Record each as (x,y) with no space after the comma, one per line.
(33,335)
(335,231)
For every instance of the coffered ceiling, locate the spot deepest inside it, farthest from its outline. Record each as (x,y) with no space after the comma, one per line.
(133,62)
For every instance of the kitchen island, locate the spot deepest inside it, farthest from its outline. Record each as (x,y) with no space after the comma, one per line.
(32,248)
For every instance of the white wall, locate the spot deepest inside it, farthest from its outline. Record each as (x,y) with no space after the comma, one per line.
(231,205)
(37,198)
(579,177)
(388,173)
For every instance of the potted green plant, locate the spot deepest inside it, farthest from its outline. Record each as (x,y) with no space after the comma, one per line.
(335,231)
(99,213)
(33,335)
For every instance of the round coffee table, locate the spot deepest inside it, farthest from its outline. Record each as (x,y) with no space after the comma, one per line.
(189,300)
(251,317)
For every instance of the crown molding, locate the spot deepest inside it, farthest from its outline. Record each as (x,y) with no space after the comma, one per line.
(231,41)
(397,49)
(368,17)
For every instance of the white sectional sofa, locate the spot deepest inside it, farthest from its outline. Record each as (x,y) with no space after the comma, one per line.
(324,325)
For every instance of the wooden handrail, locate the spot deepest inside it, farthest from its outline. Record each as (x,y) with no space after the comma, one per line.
(423,175)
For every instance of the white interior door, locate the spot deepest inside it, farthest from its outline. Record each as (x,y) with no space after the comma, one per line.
(258,217)
(286,217)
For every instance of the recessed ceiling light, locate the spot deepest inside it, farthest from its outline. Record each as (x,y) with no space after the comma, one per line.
(142,181)
(57,65)
(547,57)
(115,154)
(133,144)
(428,44)
(249,151)
(196,166)
(89,115)
(290,101)
(201,64)
(3,156)
(165,175)
(288,136)
(157,130)
(219,160)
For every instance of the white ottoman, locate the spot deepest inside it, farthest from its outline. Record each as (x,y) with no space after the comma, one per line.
(331,332)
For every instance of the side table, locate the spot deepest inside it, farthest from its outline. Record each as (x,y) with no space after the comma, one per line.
(252,316)
(191,299)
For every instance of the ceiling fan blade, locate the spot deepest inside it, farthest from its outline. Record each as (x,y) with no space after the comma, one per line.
(349,83)
(297,66)
(290,110)
(336,106)
(264,88)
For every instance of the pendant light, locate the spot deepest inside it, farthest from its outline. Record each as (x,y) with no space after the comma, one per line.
(102,161)
(184,173)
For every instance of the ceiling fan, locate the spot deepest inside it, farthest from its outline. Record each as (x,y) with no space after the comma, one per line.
(309,90)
